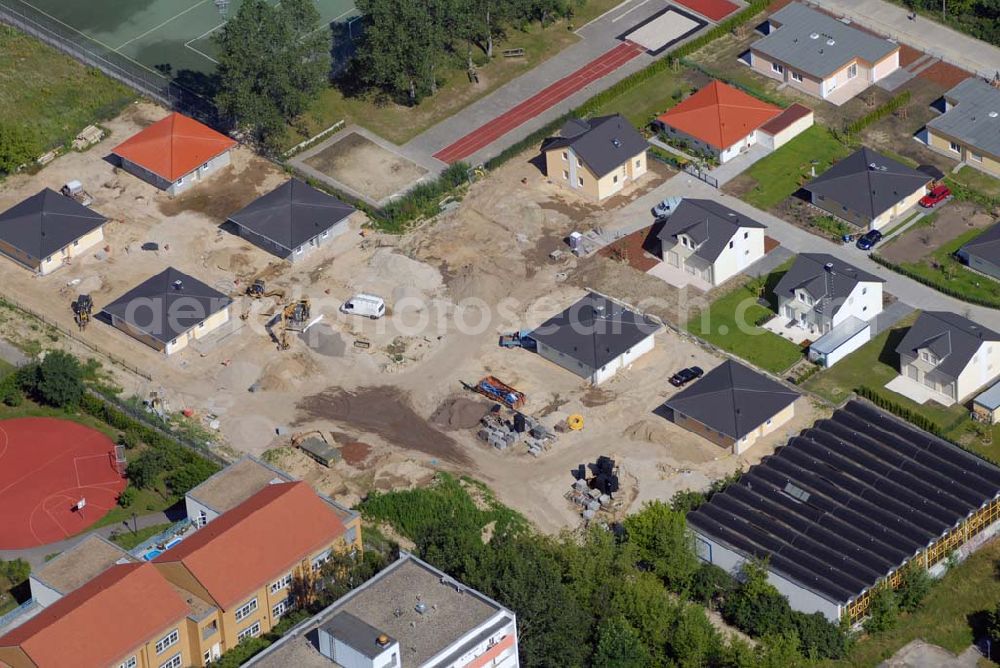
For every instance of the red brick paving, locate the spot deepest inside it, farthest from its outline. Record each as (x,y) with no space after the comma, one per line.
(908,55)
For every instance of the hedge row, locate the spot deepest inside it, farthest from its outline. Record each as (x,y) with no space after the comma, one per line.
(966,194)
(940,287)
(878,113)
(897,409)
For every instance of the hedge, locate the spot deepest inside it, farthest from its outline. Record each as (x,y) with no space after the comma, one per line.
(914,418)
(878,113)
(943,289)
(962,192)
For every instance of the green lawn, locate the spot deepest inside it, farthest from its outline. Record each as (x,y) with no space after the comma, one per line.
(51,93)
(649,99)
(954,605)
(977,180)
(729,324)
(783,172)
(400,123)
(128,540)
(942,270)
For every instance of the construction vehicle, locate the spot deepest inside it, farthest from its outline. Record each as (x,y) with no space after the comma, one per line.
(495,389)
(257,290)
(518,340)
(83,307)
(74,190)
(294,317)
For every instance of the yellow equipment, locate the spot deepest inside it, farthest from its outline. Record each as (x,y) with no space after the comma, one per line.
(575,422)
(291,319)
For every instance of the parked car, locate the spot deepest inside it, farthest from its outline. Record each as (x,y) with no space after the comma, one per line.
(666,207)
(868,240)
(685,376)
(937,195)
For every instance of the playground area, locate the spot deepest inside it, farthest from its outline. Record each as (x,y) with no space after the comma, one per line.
(57,478)
(173,38)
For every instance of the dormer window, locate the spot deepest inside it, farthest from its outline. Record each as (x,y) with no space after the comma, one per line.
(805,298)
(929,357)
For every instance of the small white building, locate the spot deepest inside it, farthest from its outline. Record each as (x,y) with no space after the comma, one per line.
(595,337)
(710,241)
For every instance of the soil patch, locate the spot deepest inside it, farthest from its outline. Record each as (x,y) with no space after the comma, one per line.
(595,396)
(944,74)
(223,193)
(383,411)
(459,413)
(366,167)
(630,250)
(923,239)
(355,453)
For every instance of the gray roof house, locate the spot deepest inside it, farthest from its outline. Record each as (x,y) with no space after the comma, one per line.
(983,252)
(970,127)
(710,240)
(733,405)
(846,504)
(48,229)
(867,189)
(946,357)
(818,54)
(820,291)
(595,337)
(291,219)
(169,310)
(596,156)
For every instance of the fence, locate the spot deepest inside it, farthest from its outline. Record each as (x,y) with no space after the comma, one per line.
(698,173)
(75,44)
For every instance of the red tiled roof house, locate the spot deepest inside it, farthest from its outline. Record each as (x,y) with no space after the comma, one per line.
(174,153)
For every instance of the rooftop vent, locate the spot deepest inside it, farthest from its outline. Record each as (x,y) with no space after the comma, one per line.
(382,640)
(831,42)
(617,142)
(992,114)
(815,35)
(421,607)
(796,492)
(178,284)
(828,266)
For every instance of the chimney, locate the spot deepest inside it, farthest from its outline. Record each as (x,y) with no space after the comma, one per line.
(382,640)
(830,273)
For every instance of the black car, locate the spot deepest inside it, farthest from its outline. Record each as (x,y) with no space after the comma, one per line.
(869,239)
(685,376)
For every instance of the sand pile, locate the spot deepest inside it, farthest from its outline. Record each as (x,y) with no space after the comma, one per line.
(649,431)
(322,339)
(459,413)
(238,376)
(286,371)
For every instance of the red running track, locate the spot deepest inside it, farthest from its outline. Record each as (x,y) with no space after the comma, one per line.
(540,102)
(46,466)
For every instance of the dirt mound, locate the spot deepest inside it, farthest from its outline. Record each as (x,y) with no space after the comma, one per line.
(285,372)
(404,270)
(595,396)
(459,413)
(355,453)
(651,432)
(383,411)
(324,340)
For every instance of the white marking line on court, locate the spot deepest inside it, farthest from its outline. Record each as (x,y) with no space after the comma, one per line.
(598,18)
(202,53)
(93,39)
(154,29)
(622,15)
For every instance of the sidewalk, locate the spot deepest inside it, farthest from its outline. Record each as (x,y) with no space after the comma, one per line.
(922,33)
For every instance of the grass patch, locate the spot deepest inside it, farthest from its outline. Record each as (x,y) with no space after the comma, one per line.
(128,540)
(400,123)
(977,180)
(946,273)
(965,592)
(641,104)
(51,93)
(783,172)
(729,323)
(832,227)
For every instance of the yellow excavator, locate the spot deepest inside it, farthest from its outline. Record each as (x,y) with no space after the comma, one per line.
(257,290)
(292,318)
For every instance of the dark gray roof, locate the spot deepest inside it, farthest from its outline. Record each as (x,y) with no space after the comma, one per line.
(868,183)
(708,223)
(848,501)
(733,399)
(46,223)
(168,304)
(292,214)
(986,245)
(594,330)
(603,143)
(970,120)
(794,42)
(952,338)
(356,633)
(823,277)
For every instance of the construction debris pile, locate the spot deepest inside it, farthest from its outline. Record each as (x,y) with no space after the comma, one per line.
(599,491)
(502,431)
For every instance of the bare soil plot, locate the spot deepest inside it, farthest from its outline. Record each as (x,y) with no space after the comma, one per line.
(366,167)
(919,241)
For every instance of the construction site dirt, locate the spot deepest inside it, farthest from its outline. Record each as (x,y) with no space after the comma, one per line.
(393,385)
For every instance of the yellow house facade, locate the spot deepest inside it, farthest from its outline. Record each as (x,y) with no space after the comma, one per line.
(565,167)
(969,128)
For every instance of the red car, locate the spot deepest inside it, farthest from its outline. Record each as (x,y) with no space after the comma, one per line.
(937,195)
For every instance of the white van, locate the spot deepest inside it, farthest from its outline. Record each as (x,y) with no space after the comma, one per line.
(368,305)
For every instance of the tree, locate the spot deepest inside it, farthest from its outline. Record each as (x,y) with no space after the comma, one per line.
(883,610)
(619,645)
(56,381)
(16,570)
(663,542)
(191,474)
(272,62)
(710,584)
(303,588)
(18,146)
(913,588)
(756,607)
(693,640)
(144,471)
(344,571)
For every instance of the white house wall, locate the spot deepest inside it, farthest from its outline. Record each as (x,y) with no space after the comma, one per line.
(745,251)
(864,303)
(983,368)
(799,598)
(597,376)
(845,349)
(43,594)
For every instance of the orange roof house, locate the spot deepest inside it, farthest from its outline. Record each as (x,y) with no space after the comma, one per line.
(174,152)
(113,617)
(256,542)
(720,119)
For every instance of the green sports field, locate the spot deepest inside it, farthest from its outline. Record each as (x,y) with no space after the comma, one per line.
(171,37)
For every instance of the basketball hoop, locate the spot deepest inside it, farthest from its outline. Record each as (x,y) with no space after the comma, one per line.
(223,7)
(81,504)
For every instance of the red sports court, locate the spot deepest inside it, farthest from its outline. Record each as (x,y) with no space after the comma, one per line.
(714,10)
(47,466)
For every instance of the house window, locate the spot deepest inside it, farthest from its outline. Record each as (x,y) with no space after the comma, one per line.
(281,607)
(128,663)
(246,609)
(167,641)
(638,163)
(172,662)
(730,244)
(796,77)
(207,657)
(975,157)
(777,67)
(579,180)
(249,632)
(324,235)
(202,518)
(746,235)
(864,291)
(852,71)
(180,181)
(578,163)
(565,175)
(320,560)
(298,251)
(954,147)
(928,356)
(280,584)
(77,242)
(565,156)
(614,179)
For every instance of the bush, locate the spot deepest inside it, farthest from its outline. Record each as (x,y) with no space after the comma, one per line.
(55,381)
(883,611)
(425,198)
(16,570)
(711,584)
(190,475)
(18,146)
(127,497)
(913,588)
(10,391)
(129,438)
(878,113)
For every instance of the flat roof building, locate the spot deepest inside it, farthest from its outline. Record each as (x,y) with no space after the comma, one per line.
(969,129)
(410,615)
